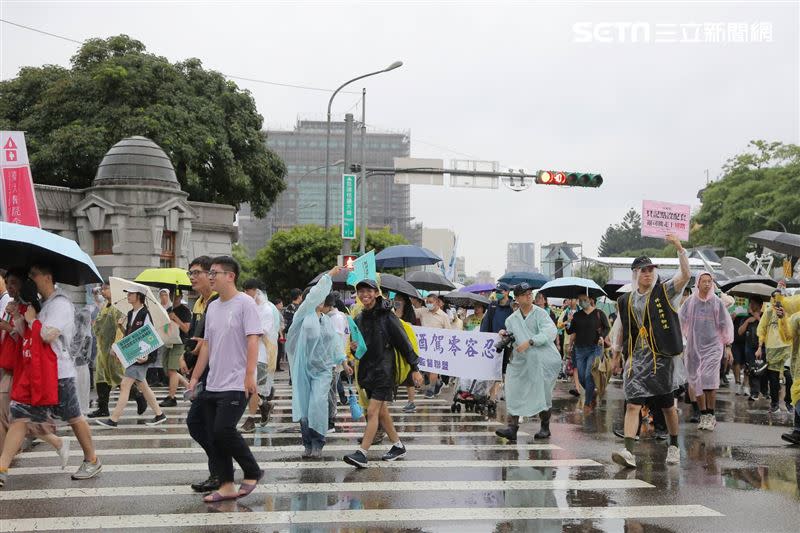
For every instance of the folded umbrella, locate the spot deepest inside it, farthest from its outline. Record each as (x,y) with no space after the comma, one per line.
(22,246)
(165,278)
(571,287)
(355,410)
(430,281)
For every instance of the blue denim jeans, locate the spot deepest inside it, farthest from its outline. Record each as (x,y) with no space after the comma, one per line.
(584,357)
(311,439)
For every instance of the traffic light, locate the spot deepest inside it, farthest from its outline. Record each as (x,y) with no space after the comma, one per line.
(570,179)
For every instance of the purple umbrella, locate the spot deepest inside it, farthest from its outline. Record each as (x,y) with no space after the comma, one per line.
(478,288)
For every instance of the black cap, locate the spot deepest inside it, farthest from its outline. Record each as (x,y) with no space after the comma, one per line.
(641,262)
(371,283)
(502,286)
(522,288)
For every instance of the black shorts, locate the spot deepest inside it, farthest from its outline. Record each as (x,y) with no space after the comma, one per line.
(664,401)
(382,394)
(739,354)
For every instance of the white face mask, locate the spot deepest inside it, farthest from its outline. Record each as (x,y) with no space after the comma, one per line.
(430,306)
(451,314)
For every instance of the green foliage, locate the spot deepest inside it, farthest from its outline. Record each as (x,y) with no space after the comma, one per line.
(627,235)
(294,257)
(758,190)
(598,273)
(246,264)
(208,127)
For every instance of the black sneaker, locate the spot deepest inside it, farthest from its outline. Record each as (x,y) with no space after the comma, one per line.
(208,485)
(753,398)
(107,422)
(793,437)
(395,453)
(99,413)
(575,393)
(509,433)
(169,401)
(156,420)
(357,459)
(773,409)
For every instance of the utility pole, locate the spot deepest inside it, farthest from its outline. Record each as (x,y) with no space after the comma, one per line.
(364,213)
(348,158)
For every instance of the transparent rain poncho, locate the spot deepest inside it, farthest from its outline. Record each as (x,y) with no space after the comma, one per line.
(707,328)
(313,348)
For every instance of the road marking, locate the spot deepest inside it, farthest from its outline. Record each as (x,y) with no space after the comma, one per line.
(292,449)
(348,516)
(305,488)
(339,418)
(295,435)
(326,465)
(285,426)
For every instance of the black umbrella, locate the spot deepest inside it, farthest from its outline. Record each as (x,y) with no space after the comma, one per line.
(404,256)
(758,291)
(784,243)
(430,281)
(749,278)
(390,282)
(466,300)
(339,281)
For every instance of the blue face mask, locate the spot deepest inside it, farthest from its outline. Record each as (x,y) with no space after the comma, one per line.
(499,295)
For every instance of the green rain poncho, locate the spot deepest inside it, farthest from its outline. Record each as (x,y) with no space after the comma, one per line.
(531,375)
(108,369)
(313,348)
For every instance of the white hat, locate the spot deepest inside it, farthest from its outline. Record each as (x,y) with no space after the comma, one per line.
(136,289)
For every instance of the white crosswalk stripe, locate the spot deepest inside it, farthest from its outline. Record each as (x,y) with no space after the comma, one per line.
(458,452)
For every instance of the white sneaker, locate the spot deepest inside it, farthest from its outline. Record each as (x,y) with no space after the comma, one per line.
(63,452)
(711,423)
(673,455)
(624,458)
(702,424)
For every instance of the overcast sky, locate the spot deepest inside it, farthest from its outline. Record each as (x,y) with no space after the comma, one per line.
(502,81)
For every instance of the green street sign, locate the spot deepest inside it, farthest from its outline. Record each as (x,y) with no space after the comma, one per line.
(138,344)
(348,206)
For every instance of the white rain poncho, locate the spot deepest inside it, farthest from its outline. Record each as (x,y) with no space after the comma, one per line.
(531,375)
(313,348)
(707,328)
(270,319)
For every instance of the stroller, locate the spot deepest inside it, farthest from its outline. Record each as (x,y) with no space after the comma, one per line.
(474,395)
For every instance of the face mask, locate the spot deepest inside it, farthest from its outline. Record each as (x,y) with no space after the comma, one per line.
(451,314)
(585,304)
(430,307)
(499,296)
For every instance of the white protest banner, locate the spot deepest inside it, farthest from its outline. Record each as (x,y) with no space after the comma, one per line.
(659,219)
(463,354)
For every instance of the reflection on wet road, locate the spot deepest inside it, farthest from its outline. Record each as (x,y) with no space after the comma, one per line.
(457,476)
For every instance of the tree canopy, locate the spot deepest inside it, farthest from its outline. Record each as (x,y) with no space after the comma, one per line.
(294,257)
(626,236)
(114,89)
(758,190)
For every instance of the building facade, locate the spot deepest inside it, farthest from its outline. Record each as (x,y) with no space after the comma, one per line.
(560,259)
(303,202)
(135,215)
(521,257)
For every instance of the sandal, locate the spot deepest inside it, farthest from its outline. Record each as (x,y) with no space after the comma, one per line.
(215,497)
(246,488)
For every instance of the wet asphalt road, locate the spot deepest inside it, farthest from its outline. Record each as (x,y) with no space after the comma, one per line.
(457,476)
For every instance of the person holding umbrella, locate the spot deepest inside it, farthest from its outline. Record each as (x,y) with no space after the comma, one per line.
(533,369)
(136,373)
(651,341)
(590,327)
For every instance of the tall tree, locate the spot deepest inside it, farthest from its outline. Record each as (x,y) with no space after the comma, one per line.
(208,127)
(758,190)
(627,235)
(294,257)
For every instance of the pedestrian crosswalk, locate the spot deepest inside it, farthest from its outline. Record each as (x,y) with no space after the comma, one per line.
(457,476)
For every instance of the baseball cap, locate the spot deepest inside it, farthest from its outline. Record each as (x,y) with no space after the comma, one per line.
(371,283)
(641,262)
(502,286)
(134,288)
(522,288)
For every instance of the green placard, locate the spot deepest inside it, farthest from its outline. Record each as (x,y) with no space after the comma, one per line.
(348,206)
(139,343)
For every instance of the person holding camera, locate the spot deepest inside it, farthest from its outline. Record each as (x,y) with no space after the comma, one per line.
(534,365)
(137,317)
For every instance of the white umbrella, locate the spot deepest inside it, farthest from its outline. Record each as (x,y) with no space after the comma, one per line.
(165,328)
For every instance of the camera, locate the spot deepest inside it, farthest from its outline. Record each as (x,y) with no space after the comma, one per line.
(505,342)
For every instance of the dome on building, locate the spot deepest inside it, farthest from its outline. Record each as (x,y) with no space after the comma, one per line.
(136,161)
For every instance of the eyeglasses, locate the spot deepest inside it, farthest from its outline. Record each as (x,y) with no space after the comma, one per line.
(194,273)
(213,273)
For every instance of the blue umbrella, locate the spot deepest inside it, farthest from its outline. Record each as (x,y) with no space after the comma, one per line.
(571,287)
(534,279)
(22,246)
(404,256)
(478,287)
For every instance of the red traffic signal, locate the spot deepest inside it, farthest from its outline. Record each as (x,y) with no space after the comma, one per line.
(571,179)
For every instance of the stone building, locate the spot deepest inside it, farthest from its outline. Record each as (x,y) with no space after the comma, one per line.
(135,215)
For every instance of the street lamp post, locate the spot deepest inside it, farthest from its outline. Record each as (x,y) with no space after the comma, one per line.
(393,66)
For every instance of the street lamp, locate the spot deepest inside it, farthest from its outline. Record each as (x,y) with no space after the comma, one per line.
(393,66)
(768,219)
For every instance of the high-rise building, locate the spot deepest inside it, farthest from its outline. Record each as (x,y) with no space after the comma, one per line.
(303,202)
(521,257)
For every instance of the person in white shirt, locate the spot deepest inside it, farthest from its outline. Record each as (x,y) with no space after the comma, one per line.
(432,316)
